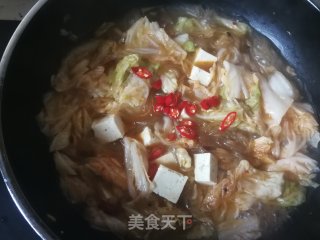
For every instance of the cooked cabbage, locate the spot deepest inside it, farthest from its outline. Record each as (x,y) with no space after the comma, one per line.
(275,106)
(302,166)
(149,40)
(233,82)
(169,81)
(135,92)
(182,38)
(254,98)
(298,127)
(262,185)
(293,195)
(281,86)
(236,26)
(64,165)
(136,166)
(183,157)
(193,27)
(122,71)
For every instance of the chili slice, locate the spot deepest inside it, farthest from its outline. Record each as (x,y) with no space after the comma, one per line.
(191,109)
(166,110)
(227,121)
(214,101)
(156,152)
(141,72)
(188,123)
(204,104)
(171,100)
(207,103)
(174,113)
(160,99)
(157,107)
(182,105)
(153,168)
(187,132)
(156,85)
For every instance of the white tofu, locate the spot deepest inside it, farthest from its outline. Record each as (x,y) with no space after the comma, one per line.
(109,128)
(203,56)
(205,168)
(169,184)
(147,136)
(167,159)
(198,74)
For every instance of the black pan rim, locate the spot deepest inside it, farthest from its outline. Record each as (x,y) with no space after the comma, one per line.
(32,218)
(315,4)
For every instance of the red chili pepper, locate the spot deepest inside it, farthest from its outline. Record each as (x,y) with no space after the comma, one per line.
(182,105)
(156,152)
(213,101)
(153,168)
(172,136)
(168,105)
(187,132)
(191,109)
(141,72)
(158,107)
(157,84)
(160,99)
(227,121)
(174,113)
(166,110)
(205,104)
(188,123)
(171,100)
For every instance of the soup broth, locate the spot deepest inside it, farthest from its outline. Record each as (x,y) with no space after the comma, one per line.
(180,124)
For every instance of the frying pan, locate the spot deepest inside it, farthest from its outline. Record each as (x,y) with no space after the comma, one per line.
(34,54)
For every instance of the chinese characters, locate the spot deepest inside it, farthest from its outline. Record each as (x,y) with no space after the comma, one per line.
(152,222)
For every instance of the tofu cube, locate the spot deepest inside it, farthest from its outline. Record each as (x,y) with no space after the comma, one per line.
(203,56)
(169,183)
(205,168)
(203,61)
(198,74)
(167,159)
(109,128)
(147,136)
